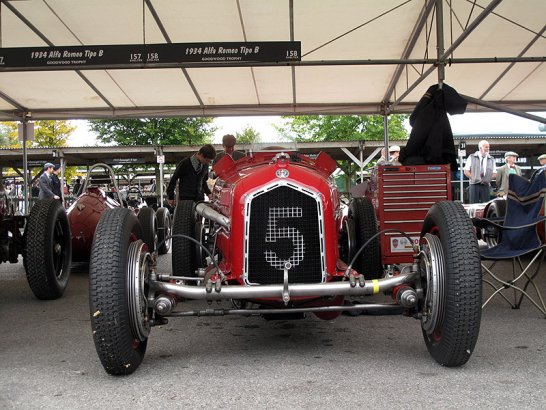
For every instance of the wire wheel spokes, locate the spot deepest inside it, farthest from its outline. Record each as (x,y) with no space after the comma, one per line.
(137,289)
(432,264)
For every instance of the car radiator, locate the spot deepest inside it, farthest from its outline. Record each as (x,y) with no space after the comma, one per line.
(284,228)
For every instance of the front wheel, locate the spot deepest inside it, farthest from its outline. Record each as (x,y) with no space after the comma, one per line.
(118,277)
(451,276)
(48,249)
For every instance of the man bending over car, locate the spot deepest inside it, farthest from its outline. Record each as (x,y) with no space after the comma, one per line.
(191,175)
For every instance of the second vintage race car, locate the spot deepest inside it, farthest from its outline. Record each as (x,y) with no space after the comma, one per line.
(101,192)
(275,240)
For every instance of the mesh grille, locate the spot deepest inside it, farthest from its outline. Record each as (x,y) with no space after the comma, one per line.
(284,227)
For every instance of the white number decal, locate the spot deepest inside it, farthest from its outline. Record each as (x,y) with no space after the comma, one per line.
(274,233)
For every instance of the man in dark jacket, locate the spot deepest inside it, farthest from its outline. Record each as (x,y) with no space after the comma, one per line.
(45,183)
(191,175)
(77,186)
(228,143)
(55,181)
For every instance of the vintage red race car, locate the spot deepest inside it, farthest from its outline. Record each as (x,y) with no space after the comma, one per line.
(275,239)
(101,192)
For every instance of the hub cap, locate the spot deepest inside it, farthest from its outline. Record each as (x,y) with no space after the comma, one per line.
(432,266)
(137,289)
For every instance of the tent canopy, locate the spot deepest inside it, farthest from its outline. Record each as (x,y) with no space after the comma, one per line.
(357,56)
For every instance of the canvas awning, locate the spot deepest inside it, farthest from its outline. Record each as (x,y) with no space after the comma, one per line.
(357,56)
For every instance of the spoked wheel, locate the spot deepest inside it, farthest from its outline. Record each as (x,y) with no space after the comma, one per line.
(148,222)
(362,216)
(138,275)
(118,287)
(48,249)
(184,258)
(433,265)
(496,209)
(163,230)
(451,278)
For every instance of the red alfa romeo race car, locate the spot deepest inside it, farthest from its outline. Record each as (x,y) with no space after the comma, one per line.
(275,239)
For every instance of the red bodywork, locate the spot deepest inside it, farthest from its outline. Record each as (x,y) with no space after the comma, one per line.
(402,196)
(240,181)
(83,217)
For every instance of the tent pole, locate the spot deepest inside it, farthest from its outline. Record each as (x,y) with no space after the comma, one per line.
(25,163)
(486,11)
(502,108)
(361,152)
(161,177)
(384,108)
(440,41)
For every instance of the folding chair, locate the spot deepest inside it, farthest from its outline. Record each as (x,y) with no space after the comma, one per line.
(518,240)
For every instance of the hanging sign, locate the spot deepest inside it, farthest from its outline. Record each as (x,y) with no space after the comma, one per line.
(124,161)
(146,55)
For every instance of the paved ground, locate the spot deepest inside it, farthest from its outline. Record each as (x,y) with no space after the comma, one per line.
(48,360)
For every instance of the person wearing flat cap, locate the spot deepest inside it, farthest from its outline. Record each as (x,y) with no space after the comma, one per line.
(542,160)
(503,172)
(394,154)
(46,184)
(228,143)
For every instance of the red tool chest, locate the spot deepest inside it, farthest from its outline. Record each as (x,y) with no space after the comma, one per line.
(402,196)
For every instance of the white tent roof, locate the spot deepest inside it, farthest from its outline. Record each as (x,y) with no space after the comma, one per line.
(356,55)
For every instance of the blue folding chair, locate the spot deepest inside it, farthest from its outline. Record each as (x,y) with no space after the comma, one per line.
(518,240)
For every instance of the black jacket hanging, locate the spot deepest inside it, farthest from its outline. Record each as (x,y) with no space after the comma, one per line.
(431,138)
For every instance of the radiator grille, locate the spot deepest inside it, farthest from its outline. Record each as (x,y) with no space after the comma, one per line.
(284,227)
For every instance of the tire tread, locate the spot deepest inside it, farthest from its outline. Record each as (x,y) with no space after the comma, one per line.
(108,294)
(464,288)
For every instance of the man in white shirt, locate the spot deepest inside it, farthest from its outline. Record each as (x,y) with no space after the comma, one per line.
(480,169)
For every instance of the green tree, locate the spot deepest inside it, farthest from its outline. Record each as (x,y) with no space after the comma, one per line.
(154,131)
(341,127)
(8,134)
(248,136)
(47,133)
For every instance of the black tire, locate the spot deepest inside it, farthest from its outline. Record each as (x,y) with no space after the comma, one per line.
(48,249)
(200,235)
(183,250)
(362,213)
(163,230)
(496,209)
(148,223)
(452,339)
(120,352)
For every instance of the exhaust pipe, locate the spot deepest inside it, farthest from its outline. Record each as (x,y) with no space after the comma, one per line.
(207,212)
